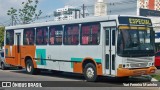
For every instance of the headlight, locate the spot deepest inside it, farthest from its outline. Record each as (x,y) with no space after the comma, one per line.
(120,65)
(150,64)
(124,65)
(127,66)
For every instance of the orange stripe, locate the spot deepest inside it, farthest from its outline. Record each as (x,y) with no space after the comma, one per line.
(78,67)
(99,69)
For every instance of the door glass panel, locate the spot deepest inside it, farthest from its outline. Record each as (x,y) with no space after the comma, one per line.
(107,37)
(113,62)
(113,37)
(107,61)
(18,42)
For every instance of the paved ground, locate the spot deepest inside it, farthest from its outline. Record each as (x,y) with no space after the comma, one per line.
(110,83)
(158,71)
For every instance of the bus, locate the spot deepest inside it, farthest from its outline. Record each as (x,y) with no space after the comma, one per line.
(113,45)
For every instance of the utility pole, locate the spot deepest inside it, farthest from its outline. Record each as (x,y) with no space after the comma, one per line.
(12,20)
(83,11)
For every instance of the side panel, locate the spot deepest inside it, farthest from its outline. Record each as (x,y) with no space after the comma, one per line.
(69,58)
(10,55)
(28,51)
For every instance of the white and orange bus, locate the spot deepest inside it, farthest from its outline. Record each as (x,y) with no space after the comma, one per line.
(116,45)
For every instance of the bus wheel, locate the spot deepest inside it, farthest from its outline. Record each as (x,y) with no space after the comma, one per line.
(90,72)
(3,67)
(30,68)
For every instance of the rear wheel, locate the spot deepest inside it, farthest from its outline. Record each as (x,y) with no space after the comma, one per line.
(90,72)
(3,67)
(30,68)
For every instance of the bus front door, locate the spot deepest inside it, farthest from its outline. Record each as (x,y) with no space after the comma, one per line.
(110,50)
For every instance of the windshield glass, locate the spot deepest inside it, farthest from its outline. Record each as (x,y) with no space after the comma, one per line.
(134,40)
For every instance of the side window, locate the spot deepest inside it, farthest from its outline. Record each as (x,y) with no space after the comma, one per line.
(9,37)
(29,36)
(90,34)
(42,35)
(71,34)
(107,37)
(55,35)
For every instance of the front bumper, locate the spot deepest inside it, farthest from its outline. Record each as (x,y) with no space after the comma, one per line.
(123,72)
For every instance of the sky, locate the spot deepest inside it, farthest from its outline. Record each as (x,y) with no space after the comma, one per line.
(47,7)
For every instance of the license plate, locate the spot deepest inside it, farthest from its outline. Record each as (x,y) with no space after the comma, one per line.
(142,72)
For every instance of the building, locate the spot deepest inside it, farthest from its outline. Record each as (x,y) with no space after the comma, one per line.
(100,8)
(66,13)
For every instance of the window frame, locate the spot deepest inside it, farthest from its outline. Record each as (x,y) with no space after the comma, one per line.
(43,37)
(24,37)
(12,34)
(99,32)
(55,27)
(64,32)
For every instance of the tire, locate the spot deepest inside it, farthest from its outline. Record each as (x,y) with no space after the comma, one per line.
(3,67)
(90,72)
(30,68)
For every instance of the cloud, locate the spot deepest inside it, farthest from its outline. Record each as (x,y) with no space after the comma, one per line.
(5,5)
(80,2)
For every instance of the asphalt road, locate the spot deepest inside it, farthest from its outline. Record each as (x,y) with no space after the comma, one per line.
(104,83)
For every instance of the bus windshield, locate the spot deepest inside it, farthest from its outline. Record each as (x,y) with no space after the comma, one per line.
(134,42)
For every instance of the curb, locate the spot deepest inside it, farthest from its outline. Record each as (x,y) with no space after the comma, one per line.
(153,79)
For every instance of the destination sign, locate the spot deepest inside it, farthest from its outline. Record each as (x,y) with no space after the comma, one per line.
(135,21)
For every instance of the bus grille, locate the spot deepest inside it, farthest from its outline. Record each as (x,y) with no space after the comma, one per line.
(139,60)
(138,65)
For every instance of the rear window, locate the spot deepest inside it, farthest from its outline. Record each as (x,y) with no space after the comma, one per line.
(157,54)
(2,54)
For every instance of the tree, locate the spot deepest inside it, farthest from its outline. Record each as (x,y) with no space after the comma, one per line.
(27,14)
(1,36)
(12,12)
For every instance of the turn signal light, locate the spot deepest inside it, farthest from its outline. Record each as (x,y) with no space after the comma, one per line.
(120,65)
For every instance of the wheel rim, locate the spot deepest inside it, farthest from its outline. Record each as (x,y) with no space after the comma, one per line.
(90,72)
(29,67)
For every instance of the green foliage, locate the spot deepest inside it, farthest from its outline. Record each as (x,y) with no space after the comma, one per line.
(2,36)
(27,14)
(156,76)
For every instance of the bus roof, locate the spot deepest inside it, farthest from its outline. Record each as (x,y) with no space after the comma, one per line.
(73,21)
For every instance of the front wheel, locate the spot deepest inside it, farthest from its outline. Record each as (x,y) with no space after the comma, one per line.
(90,72)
